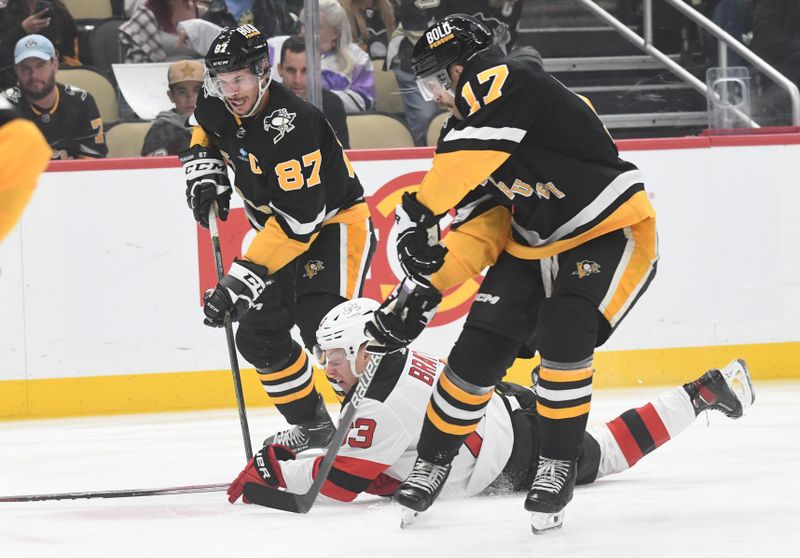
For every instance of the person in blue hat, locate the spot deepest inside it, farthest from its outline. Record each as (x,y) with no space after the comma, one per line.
(66,115)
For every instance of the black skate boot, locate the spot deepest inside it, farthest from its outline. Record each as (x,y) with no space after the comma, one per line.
(551,492)
(317,433)
(422,486)
(728,390)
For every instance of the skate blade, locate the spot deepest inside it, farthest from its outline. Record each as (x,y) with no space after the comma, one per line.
(543,522)
(737,376)
(407,517)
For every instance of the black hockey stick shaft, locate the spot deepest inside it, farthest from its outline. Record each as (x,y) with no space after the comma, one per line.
(237,377)
(302,503)
(125,493)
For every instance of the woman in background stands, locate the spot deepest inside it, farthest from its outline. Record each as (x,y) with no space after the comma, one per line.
(346,69)
(162,30)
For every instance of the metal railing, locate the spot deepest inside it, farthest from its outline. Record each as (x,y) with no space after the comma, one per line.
(725,41)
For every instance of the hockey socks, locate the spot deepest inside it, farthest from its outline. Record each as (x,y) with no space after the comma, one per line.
(454,411)
(637,432)
(564,395)
(290,387)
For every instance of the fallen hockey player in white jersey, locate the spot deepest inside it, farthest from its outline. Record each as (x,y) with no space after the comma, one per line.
(502,453)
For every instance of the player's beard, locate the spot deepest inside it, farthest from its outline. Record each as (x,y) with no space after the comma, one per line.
(44,92)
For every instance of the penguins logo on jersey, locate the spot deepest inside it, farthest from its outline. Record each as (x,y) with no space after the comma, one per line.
(312,267)
(281,121)
(586,267)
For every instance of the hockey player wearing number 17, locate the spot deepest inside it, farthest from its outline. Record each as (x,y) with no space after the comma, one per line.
(314,236)
(564,223)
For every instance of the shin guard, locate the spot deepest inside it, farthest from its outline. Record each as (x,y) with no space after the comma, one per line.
(454,411)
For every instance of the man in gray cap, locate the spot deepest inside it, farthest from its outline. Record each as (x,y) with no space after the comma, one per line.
(66,116)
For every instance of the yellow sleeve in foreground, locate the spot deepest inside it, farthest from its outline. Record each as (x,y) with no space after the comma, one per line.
(473,246)
(24,154)
(273,249)
(455,174)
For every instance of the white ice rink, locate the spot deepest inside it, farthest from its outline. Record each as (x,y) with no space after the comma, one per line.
(729,489)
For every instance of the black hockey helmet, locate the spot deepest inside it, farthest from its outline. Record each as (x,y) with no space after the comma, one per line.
(454,38)
(236,48)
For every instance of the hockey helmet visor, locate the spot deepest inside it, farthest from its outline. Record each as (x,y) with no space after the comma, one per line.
(434,86)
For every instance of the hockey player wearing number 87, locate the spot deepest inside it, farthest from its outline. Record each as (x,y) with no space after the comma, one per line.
(314,236)
(502,451)
(564,225)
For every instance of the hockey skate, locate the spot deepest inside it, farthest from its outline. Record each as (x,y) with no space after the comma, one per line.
(551,492)
(317,433)
(421,488)
(728,390)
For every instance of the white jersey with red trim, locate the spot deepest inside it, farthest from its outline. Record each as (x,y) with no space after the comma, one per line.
(380,450)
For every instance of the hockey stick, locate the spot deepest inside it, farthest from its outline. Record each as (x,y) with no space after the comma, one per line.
(237,379)
(126,493)
(301,503)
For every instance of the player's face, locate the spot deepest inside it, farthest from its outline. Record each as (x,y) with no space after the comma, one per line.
(240,89)
(37,77)
(439,87)
(337,368)
(184,96)
(293,72)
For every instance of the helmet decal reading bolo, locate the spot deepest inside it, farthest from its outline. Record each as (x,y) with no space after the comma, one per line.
(248,30)
(439,34)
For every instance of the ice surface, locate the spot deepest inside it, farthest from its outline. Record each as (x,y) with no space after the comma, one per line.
(729,489)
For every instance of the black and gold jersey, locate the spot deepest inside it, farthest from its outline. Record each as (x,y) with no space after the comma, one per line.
(289,168)
(72,126)
(537,149)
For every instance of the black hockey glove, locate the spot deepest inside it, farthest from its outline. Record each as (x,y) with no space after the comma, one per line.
(236,292)
(418,238)
(395,326)
(206,182)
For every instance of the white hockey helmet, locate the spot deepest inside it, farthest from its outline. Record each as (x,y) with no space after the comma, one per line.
(343,328)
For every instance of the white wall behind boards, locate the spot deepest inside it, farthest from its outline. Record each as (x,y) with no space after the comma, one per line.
(101,277)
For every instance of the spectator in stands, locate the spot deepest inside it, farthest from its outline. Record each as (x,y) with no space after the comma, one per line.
(501,16)
(66,116)
(346,69)
(217,12)
(776,35)
(292,69)
(48,18)
(162,30)
(271,17)
(169,134)
(413,20)
(372,22)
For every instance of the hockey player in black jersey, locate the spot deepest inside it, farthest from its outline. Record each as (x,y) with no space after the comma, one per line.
(314,235)
(500,455)
(565,224)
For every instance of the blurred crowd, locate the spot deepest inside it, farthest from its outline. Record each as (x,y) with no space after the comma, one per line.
(361,42)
